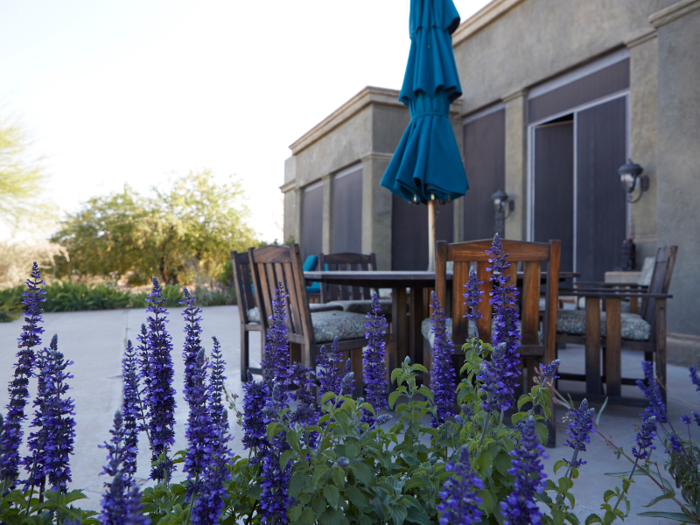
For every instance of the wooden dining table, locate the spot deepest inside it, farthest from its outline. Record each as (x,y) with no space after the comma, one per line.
(409,304)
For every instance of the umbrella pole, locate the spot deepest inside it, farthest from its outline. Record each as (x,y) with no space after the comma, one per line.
(431,235)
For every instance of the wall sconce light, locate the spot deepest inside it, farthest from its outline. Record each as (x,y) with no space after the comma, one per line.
(500,200)
(630,173)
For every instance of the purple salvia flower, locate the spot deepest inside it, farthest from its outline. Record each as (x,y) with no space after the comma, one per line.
(520,508)
(458,498)
(686,419)
(161,399)
(697,417)
(193,343)
(131,407)
(550,371)
(276,359)
(442,375)
(645,438)
(473,299)
(579,432)
(121,504)
(144,374)
(219,414)
(34,463)
(11,435)
(373,360)
(507,327)
(347,384)
(200,428)
(676,443)
(329,374)
(254,420)
(695,378)
(299,385)
(275,500)
(652,391)
(498,395)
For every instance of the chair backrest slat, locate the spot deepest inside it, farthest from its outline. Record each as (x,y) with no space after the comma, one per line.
(243,284)
(532,255)
(660,280)
(333,262)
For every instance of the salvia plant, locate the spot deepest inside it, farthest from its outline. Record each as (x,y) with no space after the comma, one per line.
(465,449)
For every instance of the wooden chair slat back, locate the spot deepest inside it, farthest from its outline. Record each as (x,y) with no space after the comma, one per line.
(333,262)
(275,264)
(243,283)
(532,255)
(660,280)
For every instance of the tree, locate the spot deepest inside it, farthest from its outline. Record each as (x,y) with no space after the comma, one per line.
(21,178)
(181,234)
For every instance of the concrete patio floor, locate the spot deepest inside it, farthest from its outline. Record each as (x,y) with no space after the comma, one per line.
(95,342)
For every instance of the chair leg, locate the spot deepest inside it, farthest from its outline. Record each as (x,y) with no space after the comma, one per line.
(245,354)
(295,352)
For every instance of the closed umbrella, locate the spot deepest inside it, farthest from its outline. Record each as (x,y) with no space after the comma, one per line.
(426,165)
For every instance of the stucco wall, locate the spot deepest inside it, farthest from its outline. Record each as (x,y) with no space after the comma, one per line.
(678,163)
(538,39)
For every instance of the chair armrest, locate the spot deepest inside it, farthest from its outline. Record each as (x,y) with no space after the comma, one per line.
(603,293)
(600,284)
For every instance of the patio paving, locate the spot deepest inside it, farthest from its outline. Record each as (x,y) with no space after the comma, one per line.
(95,342)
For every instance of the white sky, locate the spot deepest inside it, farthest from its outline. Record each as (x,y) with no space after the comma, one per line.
(132,91)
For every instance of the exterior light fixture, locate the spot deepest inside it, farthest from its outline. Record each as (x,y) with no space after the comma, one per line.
(630,173)
(500,200)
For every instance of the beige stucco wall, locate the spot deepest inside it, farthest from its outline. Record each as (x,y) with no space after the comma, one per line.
(678,159)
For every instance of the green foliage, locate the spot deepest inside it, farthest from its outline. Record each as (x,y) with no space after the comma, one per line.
(17,507)
(181,235)
(71,297)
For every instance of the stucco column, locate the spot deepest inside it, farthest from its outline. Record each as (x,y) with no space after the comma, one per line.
(643,94)
(327,229)
(296,230)
(376,209)
(678,156)
(516,163)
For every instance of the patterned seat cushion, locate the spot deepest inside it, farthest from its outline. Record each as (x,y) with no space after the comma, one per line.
(343,325)
(573,322)
(254,313)
(426,330)
(363,306)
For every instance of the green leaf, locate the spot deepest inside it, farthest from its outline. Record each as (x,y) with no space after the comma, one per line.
(542,432)
(600,412)
(593,518)
(296,483)
(332,517)
(399,513)
(559,464)
(295,512)
(352,449)
(665,495)
(395,374)
(677,516)
(339,476)
(619,474)
(503,462)
(327,397)
(483,464)
(286,458)
(319,505)
(362,472)
(416,514)
(393,397)
(308,516)
(356,497)
(524,399)
(273,429)
(330,492)
(367,407)
(487,503)
(565,484)
(424,390)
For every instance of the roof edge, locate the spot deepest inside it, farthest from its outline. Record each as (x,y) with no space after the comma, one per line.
(487,14)
(368,95)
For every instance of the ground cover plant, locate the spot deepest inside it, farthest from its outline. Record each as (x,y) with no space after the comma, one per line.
(421,454)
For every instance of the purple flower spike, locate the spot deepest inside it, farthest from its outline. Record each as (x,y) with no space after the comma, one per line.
(373,360)
(579,432)
(645,438)
(329,373)
(193,343)
(652,391)
(507,326)
(520,508)
(52,443)
(276,357)
(695,378)
(442,375)
(161,398)
(130,408)
(458,498)
(473,299)
(254,420)
(219,414)
(11,435)
(550,370)
(498,395)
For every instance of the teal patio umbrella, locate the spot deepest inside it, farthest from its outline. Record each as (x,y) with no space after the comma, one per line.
(426,165)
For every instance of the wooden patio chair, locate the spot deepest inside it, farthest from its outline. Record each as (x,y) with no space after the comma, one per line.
(536,345)
(352,298)
(307,330)
(614,331)
(249,312)
(242,280)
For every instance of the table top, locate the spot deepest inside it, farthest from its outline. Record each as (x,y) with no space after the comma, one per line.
(387,279)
